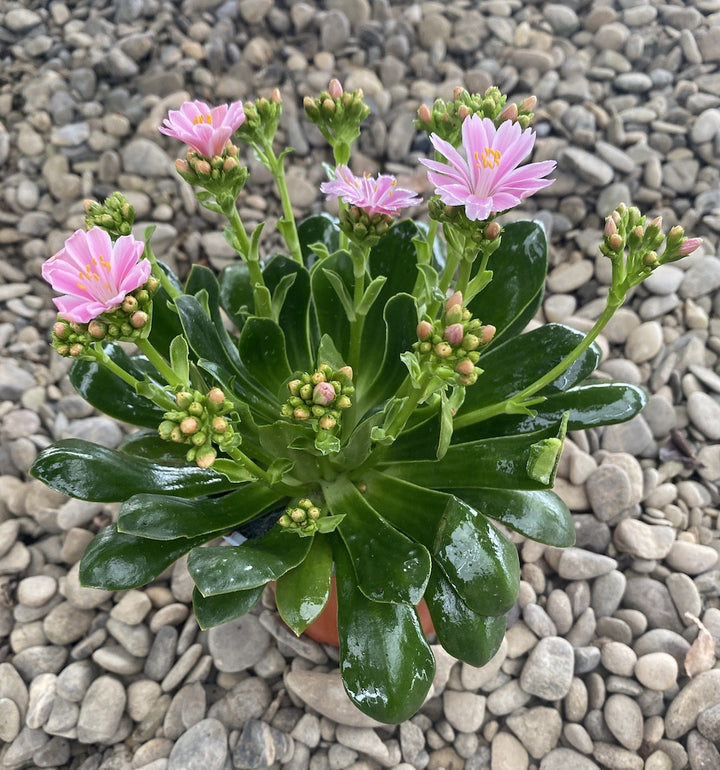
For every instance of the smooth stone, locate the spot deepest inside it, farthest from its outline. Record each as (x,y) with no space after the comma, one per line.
(80,596)
(74,680)
(564,759)
(632,436)
(656,671)
(616,757)
(607,593)
(646,541)
(578,564)
(685,594)
(608,491)
(652,598)
(202,747)
(9,720)
(42,696)
(46,659)
(325,693)
(66,623)
(239,644)
(708,723)
(700,693)
(538,729)
(548,671)
(248,700)
(465,711)
(701,278)
(662,640)
(691,558)
(260,745)
(21,750)
(704,412)
(624,720)
(702,753)
(101,710)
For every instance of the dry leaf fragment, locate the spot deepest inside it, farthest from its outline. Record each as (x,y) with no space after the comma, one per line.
(701,655)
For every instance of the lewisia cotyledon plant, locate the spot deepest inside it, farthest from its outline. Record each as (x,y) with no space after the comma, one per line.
(376,420)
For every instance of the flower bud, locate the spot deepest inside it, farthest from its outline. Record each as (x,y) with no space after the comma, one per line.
(493,230)
(297,515)
(347,371)
(323,394)
(229,164)
(139,319)
(203,168)
(335,89)
(509,113)
(313,513)
(219,425)
(615,242)
(306,392)
(189,426)
(327,422)
(465,367)
(301,413)
(275,96)
(488,332)
(470,342)
(454,333)
(317,377)
(196,409)
(463,111)
(76,350)
(216,396)
(60,329)
(528,105)
(181,166)
(610,227)
(165,429)
(458,91)
(343,402)
(184,399)
(97,329)
(424,330)
(689,245)
(425,114)
(294,386)
(455,299)
(176,435)
(443,350)
(454,314)
(205,457)
(198,439)
(129,304)
(328,106)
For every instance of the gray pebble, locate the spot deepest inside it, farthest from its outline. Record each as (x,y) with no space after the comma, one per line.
(549,669)
(101,710)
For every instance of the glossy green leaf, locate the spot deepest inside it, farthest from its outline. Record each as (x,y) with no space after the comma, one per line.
(517,363)
(262,349)
(463,633)
(111,395)
(480,562)
(165,321)
(236,295)
(541,516)
(294,318)
(115,561)
(397,332)
(389,566)
(91,472)
(331,315)
(588,406)
(222,570)
(179,358)
(386,664)
(161,517)
(148,445)
(493,462)
(291,441)
(214,610)
(302,593)
(519,269)
(318,228)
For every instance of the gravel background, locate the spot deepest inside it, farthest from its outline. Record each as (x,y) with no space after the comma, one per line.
(595,670)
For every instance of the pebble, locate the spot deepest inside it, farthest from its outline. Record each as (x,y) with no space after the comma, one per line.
(697,695)
(238,645)
(656,671)
(538,729)
(202,747)
(691,558)
(548,670)
(101,710)
(645,541)
(704,412)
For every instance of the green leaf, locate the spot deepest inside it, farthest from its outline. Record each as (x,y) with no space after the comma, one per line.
(519,268)
(236,295)
(587,406)
(342,293)
(328,353)
(318,228)
(280,439)
(480,562)
(541,516)
(294,317)
(222,570)
(386,663)
(463,633)
(148,445)
(214,610)
(161,517)
(179,360)
(331,315)
(302,593)
(91,472)
(115,561)
(389,566)
(262,348)
(493,462)
(111,395)
(232,470)
(165,322)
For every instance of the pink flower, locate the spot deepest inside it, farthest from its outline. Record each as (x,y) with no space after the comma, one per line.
(485,177)
(94,274)
(205,129)
(381,196)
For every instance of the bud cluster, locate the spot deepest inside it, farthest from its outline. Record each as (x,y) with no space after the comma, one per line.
(301,517)
(128,322)
(262,118)
(200,421)
(222,175)
(338,115)
(320,397)
(451,345)
(646,244)
(485,234)
(362,228)
(115,215)
(446,118)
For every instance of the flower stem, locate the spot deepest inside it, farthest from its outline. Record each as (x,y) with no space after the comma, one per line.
(359,259)
(159,273)
(147,348)
(255,469)
(515,404)
(413,399)
(276,166)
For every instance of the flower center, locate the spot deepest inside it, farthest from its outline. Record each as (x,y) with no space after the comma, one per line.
(202,119)
(489,159)
(91,274)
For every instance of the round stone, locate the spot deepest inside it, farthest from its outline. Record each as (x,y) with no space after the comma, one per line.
(548,671)
(656,671)
(625,720)
(36,590)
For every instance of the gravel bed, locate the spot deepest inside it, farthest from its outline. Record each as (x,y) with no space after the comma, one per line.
(609,661)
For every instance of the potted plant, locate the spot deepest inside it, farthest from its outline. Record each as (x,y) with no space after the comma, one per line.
(360,410)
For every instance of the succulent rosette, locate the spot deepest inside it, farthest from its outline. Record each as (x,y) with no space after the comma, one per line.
(368,411)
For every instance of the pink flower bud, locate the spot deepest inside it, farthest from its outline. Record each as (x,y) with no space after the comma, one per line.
(528,104)
(230,164)
(689,245)
(443,350)
(202,167)
(323,394)
(219,425)
(492,231)
(60,329)
(181,166)
(327,422)
(509,113)
(139,319)
(455,299)
(347,371)
(205,457)
(488,332)
(275,96)
(463,111)
(97,329)
(457,91)
(189,426)
(424,330)
(129,304)
(466,366)
(610,227)
(76,350)
(216,396)
(335,89)
(425,114)
(301,413)
(454,333)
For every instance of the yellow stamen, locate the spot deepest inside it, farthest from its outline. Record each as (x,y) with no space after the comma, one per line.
(81,286)
(490,158)
(202,119)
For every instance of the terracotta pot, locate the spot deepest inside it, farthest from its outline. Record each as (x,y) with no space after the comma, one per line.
(325,630)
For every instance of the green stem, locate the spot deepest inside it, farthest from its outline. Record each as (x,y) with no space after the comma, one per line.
(158,362)
(160,274)
(359,259)
(276,166)
(463,276)
(233,216)
(109,364)
(413,399)
(250,465)
(263,305)
(514,404)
